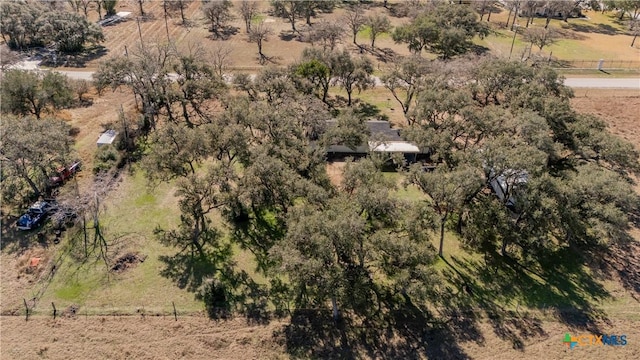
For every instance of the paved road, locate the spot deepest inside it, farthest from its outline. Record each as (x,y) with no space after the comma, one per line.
(600,83)
(594,83)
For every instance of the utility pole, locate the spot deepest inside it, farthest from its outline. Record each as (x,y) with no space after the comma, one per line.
(140,32)
(166,23)
(513,41)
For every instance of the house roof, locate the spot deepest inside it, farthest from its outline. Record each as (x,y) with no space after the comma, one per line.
(393,146)
(378,130)
(107,137)
(382,129)
(382,138)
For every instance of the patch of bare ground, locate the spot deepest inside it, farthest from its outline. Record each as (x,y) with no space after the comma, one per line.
(619,108)
(335,170)
(196,337)
(283,47)
(127,261)
(137,337)
(26,261)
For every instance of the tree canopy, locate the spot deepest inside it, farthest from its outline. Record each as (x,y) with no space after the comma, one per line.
(446,30)
(27,24)
(31,93)
(31,150)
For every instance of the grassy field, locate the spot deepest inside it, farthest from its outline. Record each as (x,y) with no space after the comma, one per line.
(131,213)
(597,36)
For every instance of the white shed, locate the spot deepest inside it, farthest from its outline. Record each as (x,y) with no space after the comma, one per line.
(107,137)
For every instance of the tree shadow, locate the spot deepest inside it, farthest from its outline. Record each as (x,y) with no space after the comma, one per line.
(473,301)
(288,35)
(556,280)
(381,54)
(226,33)
(264,59)
(85,102)
(15,241)
(233,292)
(78,60)
(188,270)
(605,29)
(403,331)
(621,262)
(366,109)
(257,234)
(478,49)
(566,32)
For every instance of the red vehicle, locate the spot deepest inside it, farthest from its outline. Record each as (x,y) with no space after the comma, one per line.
(64,174)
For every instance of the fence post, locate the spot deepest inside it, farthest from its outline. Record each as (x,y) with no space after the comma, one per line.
(600,64)
(175,313)
(26,309)
(55,312)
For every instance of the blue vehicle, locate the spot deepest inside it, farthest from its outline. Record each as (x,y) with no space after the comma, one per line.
(35,216)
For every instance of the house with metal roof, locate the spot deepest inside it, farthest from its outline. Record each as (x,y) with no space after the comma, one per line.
(382,139)
(107,138)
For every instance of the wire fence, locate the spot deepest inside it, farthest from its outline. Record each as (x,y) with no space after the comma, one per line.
(596,64)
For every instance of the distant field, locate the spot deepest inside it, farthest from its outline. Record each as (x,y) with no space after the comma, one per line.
(598,36)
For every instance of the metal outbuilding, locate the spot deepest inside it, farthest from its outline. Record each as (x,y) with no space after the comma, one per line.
(107,138)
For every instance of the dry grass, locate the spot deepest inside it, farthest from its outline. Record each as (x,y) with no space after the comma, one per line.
(619,108)
(595,37)
(195,337)
(284,48)
(335,170)
(132,337)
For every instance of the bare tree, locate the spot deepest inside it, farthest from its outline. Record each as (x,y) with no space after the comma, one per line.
(178,5)
(75,5)
(89,209)
(634,28)
(218,14)
(99,5)
(248,10)
(289,9)
(541,37)
(355,19)
(529,8)
(140,2)
(481,6)
(514,8)
(80,88)
(85,6)
(220,58)
(259,34)
(567,7)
